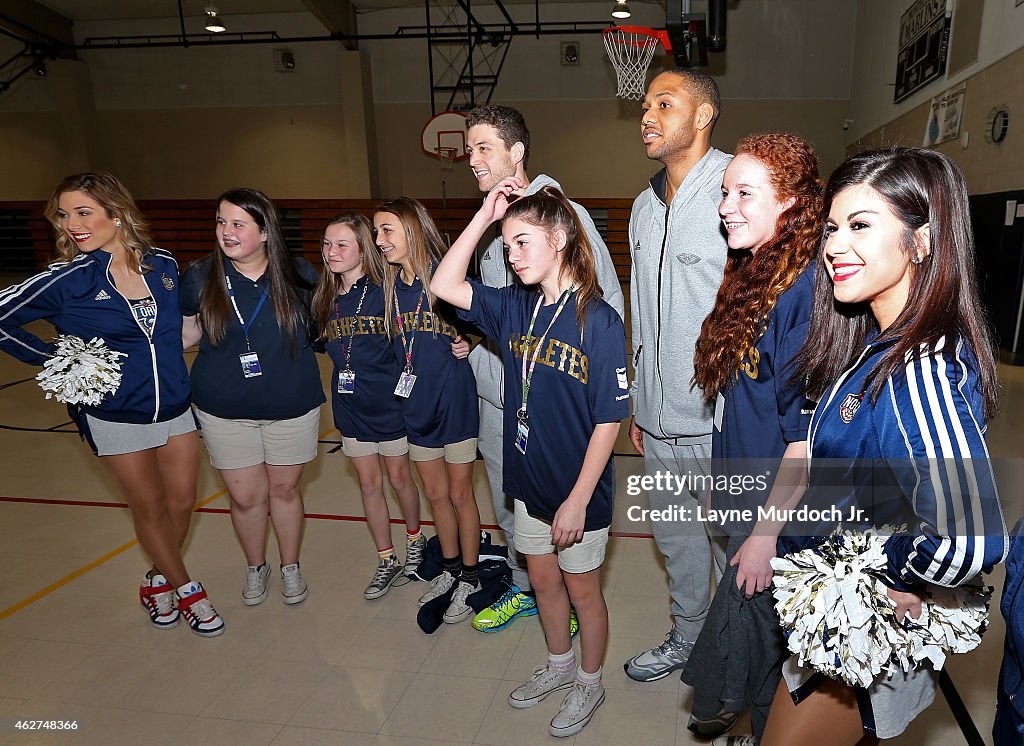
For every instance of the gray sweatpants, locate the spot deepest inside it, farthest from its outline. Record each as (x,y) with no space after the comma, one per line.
(691,555)
(490,444)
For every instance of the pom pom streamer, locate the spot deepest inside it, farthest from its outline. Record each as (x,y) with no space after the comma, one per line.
(80,372)
(840,621)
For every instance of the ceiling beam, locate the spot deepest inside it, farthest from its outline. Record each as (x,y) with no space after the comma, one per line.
(37,25)
(337,16)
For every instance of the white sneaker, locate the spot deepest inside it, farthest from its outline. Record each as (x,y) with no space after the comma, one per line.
(255,591)
(458,609)
(293,588)
(545,681)
(438,587)
(576,710)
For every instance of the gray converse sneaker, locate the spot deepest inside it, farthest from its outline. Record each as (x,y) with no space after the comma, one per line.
(255,591)
(414,554)
(545,681)
(388,571)
(659,662)
(713,726)
(438,587)
(734,741)
(293,588)
(458,609)
(577,709)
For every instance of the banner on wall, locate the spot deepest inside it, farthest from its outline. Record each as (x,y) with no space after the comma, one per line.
(944,116)
(924,45)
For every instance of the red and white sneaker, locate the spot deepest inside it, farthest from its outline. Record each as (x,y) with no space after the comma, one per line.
(157,598)
(193,604)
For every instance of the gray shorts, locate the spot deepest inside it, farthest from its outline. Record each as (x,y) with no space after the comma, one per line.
(117,438)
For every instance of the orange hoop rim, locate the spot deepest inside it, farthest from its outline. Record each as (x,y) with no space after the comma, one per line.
(611,34)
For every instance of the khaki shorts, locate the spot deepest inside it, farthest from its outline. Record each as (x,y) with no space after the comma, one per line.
(463,452)
(236,444)
(353,448)
(533,536)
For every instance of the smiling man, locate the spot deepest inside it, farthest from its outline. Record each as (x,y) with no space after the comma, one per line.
(678,252)
(498,143)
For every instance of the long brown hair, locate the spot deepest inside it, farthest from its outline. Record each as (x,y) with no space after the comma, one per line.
(921,187)
(285,284)
(426,249)
(549,210)
(330,284)
(753,282)
(109,192)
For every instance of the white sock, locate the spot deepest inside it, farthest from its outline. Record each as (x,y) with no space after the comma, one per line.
(588,679)
(562,662)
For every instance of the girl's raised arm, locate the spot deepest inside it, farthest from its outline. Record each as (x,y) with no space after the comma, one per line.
(449,280)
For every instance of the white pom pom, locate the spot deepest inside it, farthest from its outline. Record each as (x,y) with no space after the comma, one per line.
(80,372)
(840,620)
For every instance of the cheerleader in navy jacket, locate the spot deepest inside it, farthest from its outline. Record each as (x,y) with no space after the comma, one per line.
(899,356)
(113,285)
(437,392)
(566,390)
(771,208)
(349,310)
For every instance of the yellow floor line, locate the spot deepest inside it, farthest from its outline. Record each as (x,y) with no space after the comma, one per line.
(91,566)
(108,556)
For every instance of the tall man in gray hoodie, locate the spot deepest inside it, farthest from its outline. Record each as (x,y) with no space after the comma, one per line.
(499,147)
(678,250)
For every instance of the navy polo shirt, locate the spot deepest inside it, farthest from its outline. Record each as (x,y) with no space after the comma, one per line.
(372,413)
(290,385)
(443,406)
(576,385)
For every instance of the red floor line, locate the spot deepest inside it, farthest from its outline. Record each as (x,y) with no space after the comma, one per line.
(315,516)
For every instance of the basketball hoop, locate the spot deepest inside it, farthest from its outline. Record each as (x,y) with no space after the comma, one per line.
(631,49)
(447,157)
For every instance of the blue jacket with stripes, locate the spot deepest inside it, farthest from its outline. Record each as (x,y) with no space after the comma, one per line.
(917,458)
(80,298)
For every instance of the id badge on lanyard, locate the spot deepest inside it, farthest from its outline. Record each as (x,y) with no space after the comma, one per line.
(405,383)
(346,382)
(522,435)
(250,364)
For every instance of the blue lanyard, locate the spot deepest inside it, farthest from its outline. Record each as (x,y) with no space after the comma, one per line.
(255,313)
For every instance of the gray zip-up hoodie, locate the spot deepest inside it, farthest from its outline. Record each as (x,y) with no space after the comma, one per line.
(485,358)
(679,253)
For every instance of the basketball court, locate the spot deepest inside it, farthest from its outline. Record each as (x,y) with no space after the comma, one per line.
(337,669)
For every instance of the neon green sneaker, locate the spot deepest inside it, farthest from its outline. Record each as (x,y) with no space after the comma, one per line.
(574,624)
(513,603)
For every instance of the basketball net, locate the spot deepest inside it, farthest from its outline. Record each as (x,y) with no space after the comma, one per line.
(631,49)
(447,158)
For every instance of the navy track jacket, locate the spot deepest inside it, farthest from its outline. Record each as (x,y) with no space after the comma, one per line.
(79,298)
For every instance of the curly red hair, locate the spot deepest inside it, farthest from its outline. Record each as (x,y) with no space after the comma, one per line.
(753,282)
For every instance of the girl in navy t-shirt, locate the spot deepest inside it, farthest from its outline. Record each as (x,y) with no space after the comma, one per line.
(566,390)
(437,394)
(771,205)
(348,308)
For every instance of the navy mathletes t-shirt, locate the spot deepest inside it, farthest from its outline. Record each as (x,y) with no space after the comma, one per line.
(762,411)
(290,384)
(443,406)
(372,413)
(576,385)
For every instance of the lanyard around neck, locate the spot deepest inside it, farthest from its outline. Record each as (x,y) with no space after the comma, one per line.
(408,341)
(346,349)
(255,313)
(528,373)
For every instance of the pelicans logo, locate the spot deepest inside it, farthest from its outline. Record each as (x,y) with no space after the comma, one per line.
(849,407)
